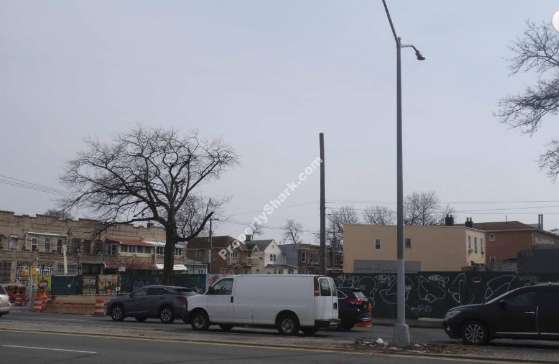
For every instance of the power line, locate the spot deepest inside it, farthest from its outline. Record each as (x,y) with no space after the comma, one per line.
(16,182)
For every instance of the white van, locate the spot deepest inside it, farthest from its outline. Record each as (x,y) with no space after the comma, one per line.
(289,302)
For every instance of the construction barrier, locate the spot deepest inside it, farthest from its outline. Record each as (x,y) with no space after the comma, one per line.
(38,303)
(99,307)
(19,299)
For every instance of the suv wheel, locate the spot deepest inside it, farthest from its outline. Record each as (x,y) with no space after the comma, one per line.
(199,320)
(166,315)
(475,333)
(288,324)
(117,313)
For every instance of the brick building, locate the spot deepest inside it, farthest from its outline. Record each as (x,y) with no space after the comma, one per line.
(236,262)
(36,244)
(506,239)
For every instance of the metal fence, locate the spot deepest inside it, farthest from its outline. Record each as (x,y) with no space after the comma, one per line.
(431,294)
(125,282)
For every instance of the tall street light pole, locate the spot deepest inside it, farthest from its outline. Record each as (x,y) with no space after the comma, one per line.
(401,335)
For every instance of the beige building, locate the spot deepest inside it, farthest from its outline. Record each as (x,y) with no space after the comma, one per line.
(372,248)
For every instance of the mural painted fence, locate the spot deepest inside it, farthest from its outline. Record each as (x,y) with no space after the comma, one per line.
(431,294)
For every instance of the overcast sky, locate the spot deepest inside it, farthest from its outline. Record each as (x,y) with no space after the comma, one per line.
(267,77)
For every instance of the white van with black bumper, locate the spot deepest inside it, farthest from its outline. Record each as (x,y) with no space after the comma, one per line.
(290,302)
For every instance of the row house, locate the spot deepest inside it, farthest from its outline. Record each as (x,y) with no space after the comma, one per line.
(207,250)
(306,258)
(266,256)
(38,245)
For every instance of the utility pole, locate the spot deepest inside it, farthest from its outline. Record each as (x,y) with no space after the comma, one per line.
(210,238)
(401,335)
(322,208)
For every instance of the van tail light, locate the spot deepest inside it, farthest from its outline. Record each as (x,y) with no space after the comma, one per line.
(316,287)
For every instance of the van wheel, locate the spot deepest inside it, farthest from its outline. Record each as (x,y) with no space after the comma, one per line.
(199,320)
(226,328)
(117,313)
(309,331)
(475,333)
(288,324)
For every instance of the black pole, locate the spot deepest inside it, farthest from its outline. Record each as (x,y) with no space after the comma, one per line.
(322,208)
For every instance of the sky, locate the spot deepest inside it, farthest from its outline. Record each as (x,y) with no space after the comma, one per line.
(266,77)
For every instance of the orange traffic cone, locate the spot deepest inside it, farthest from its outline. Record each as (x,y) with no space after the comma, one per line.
(99,307)
(37,303)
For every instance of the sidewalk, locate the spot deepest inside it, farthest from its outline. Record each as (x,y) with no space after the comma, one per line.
(424,323)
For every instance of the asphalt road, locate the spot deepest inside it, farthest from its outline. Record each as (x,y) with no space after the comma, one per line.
(18,347)
(420,335)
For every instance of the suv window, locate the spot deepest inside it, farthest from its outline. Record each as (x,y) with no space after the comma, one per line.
(522,299)
(223,287)
(2,290)
(325,287)
(359,294)
(139,293)
(550,298)
(156,291)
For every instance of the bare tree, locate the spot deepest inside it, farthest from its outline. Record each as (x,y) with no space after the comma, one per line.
(378,215)
(536,50)
(336,221)
(292,232)
(149,175)
(421,208)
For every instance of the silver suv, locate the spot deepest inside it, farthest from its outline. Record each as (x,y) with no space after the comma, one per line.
(4,302)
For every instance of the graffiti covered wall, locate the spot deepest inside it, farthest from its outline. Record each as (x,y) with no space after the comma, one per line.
(431,294)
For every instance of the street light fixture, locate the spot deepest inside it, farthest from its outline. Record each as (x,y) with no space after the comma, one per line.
(401,335)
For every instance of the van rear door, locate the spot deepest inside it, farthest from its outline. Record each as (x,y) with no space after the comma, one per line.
(326,299)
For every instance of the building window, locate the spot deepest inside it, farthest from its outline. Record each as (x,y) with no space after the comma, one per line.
(34,244)
(469,244)
(377,244)
(160,250)
(47,245)
(132,249)
(492,260)
(5,271)
(140,249)
(12,243)
(114,249)
(408,243)
(178,251)
(59,246)
(124,249)
(481,246)
(303,257)
(491,237)
(475,245)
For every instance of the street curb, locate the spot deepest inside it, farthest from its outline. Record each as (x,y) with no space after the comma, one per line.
(334,349)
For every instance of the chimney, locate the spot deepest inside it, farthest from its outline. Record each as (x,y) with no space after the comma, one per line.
(248,237)
(449,220)
(540,222)
(469,222)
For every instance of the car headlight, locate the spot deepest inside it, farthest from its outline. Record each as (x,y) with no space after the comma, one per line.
(451,314)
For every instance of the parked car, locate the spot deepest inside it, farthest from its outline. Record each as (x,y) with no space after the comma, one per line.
(289,302)
(163,302)
(354,308)
(523,313)
(4,302)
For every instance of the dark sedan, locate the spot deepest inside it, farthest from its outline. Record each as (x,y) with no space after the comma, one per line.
(163,302)
(354,308)
(524,313)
